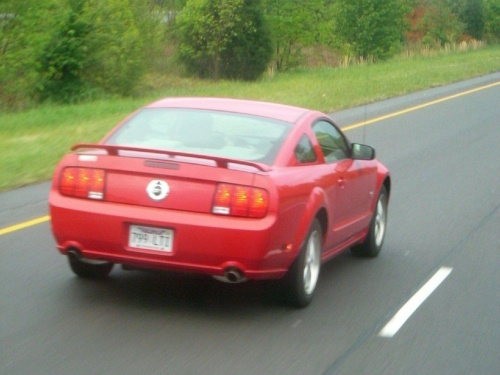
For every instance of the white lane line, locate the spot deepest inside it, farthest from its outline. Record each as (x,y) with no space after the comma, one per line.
(414,302)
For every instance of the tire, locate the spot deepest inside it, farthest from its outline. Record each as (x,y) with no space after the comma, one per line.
(303,276)
(378,225)
(89,269)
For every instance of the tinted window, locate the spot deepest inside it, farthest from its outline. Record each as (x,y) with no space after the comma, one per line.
(224,134)
(304,151)
(332,142)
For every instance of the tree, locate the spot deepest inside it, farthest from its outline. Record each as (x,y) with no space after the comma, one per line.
(223,39)
(115,60)
(153,19)
(25,27)
(63,58)
(440,23)
(472,16)
(250,50)
(96,49)
(294,24)
(370,28)
(492,20)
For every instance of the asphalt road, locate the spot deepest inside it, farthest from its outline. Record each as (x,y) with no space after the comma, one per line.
(444,214)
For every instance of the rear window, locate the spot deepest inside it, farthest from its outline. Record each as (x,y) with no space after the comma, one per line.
(224,134)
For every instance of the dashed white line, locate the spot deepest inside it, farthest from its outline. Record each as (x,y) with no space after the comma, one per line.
(393,326)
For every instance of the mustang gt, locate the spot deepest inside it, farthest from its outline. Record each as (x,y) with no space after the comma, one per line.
(235,189)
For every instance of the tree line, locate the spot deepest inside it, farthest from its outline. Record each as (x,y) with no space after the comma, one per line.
(71,50)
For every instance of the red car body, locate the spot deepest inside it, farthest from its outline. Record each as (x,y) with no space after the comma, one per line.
(97,226)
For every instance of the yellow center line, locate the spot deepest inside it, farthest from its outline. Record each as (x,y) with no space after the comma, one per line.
(417,107)
(46,218)
(24,225)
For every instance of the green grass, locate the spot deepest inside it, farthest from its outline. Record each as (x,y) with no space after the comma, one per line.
(32,142)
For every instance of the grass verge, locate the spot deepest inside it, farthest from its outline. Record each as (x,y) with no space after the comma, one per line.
(31,142)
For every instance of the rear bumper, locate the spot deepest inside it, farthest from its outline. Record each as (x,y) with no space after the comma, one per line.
(203,243)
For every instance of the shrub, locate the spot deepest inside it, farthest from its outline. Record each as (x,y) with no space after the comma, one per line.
(370,28)
(25,27)
(114,61)
(62,61)
(97,49)
(492,20)
(295,24)
(472,15)
(223,39)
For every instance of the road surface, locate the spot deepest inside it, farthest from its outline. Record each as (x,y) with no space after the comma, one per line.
(429,304)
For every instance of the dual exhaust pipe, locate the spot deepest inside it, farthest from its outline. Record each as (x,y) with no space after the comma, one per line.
(232,275)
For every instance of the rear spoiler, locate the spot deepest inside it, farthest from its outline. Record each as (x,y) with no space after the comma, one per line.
(221,162)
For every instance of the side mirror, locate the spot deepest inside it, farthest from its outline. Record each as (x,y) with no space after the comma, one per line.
(362,152)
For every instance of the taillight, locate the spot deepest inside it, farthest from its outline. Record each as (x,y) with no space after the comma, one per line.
(259,202)
(236,200)
(240,201)
(82,182)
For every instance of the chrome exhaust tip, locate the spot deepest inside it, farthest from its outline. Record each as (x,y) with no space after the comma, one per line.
(74,253)
(232,275)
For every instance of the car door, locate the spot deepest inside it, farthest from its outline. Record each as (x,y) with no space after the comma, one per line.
(352,182)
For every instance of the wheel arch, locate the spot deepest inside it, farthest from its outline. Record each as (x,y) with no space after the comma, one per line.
(387,184)
(315,209)
(322,217)
(383,179)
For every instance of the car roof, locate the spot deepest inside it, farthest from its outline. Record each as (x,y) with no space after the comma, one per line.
(249,107)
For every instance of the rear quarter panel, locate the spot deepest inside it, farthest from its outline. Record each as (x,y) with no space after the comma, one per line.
(300,193)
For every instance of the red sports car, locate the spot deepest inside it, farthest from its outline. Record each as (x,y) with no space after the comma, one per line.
(230,188)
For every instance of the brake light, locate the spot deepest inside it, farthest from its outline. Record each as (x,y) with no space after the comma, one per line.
(259,203)
(237,200)
(82,182)
(240,201)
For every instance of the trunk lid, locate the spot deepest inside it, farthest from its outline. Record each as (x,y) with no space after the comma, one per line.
(157,179)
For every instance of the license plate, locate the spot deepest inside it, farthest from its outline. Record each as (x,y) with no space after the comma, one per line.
(149,238)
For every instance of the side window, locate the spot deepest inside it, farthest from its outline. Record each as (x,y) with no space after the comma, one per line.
(304,151)
(332,142)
